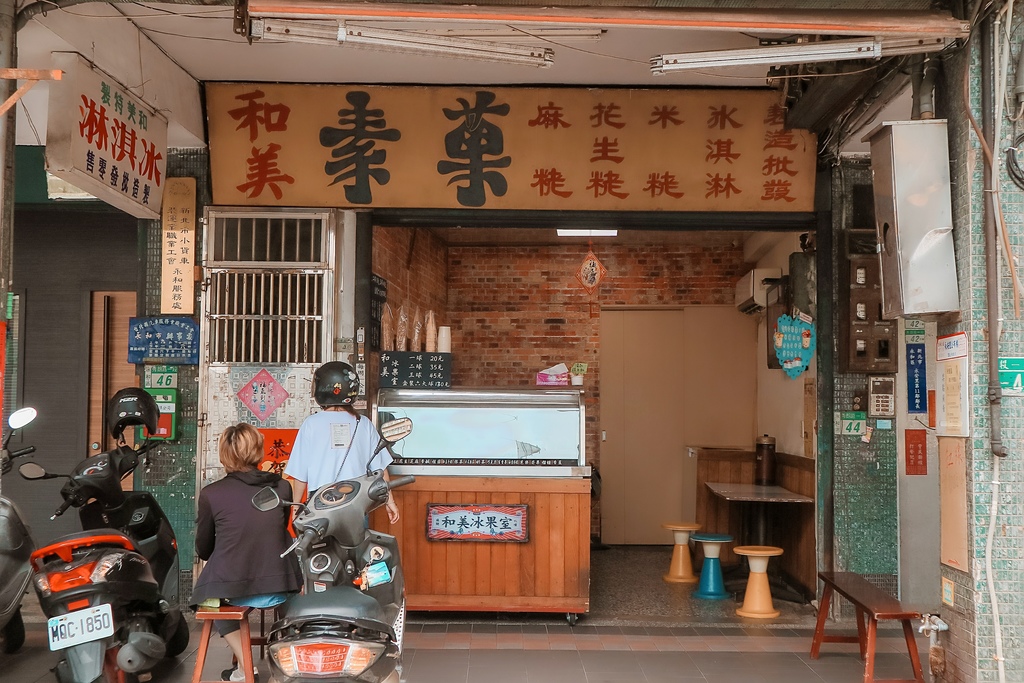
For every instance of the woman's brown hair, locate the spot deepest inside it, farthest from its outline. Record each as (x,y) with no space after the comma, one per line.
(241,447)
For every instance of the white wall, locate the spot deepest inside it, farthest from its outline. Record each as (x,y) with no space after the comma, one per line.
(780,400)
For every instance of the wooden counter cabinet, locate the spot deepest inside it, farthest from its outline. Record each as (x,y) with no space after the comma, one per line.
(549,572)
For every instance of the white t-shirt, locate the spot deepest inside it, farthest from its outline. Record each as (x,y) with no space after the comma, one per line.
(320,447)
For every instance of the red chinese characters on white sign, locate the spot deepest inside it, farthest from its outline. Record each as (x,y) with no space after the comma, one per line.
(105,140)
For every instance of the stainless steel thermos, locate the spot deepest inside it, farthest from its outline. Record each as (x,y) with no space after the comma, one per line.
(764,466)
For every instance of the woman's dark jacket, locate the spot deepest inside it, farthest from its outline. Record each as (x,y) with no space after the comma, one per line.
(242,545)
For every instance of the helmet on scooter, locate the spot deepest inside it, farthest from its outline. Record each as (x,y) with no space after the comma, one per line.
(335,384)
(132,406)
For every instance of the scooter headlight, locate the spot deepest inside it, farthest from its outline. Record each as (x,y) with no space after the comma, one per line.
(106,563)
(42,585)
(324,657)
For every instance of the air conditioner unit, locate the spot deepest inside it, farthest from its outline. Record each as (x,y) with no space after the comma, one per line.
(752,291)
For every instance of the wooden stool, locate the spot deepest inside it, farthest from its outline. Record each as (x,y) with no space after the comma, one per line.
(681,568)
(757,601)
(712,585)
(208,616)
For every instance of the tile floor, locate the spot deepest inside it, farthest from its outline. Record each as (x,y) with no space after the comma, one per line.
(640,631)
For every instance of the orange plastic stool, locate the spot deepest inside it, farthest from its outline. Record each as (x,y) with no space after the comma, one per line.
(208,616)
(681,568)
(757,601)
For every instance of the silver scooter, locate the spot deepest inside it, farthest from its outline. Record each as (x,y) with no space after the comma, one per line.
(15,545)
(347,626)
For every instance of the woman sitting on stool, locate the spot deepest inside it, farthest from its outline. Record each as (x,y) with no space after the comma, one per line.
(242,546)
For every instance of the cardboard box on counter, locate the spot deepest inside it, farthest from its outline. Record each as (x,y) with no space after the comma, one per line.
(555,376)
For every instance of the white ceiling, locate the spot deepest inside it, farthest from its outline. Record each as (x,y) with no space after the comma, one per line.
(201,40)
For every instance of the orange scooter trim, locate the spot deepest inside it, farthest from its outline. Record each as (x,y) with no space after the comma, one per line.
(64,549)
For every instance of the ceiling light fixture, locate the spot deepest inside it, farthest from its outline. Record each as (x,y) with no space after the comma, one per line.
(531,36)
(340,32)
(777,55)
(562,232)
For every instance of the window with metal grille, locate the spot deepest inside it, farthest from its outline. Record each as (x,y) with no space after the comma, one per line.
(268,288)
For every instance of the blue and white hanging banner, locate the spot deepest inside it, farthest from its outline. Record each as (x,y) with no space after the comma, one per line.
(917,379)
(794,343)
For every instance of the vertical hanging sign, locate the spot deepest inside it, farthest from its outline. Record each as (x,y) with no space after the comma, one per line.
(917,379)
(104,139)
(177,257)
(916,447)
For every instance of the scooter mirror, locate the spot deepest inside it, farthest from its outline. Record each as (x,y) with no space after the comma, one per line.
(20,418)
(31,470)
(266,499)
(396,430)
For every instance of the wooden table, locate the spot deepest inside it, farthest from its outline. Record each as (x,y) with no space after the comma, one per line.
(759,496)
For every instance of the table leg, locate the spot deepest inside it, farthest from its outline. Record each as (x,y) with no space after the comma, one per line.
(869,659)
(915,660)
(819,627)
(760,524)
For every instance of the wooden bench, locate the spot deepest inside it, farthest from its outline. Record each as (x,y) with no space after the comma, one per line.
(873,604)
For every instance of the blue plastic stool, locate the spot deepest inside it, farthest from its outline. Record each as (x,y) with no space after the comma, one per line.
(712,585)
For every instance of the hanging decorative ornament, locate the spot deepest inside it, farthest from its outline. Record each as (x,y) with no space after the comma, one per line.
(590,274)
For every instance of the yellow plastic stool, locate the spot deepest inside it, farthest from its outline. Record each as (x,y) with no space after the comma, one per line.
(681,568)
(757,601)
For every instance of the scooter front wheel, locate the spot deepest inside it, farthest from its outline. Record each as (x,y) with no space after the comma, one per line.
(14,633)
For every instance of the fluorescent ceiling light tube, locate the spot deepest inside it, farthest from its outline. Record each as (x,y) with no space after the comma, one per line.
(338,32)
(799,53)
(586,233)
(532,36)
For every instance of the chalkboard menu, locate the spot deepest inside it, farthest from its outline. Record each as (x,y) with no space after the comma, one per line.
(378,299)
(415,370)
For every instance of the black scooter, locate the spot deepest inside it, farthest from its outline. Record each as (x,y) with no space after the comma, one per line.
(110,592)
(348,623)
(15,545)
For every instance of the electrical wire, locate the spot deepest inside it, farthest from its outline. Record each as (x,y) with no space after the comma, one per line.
(1013,168)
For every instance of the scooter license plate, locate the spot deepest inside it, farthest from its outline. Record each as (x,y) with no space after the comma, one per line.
(80,626)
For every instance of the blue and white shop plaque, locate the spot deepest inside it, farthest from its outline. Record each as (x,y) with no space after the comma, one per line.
(168,340)
(917,379)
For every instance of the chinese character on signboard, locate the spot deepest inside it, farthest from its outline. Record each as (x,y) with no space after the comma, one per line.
(103,138)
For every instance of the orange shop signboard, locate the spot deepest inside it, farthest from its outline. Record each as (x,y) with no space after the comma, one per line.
(104,139)
(506,148)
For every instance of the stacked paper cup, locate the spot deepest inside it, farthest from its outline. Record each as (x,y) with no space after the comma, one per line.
(444,340)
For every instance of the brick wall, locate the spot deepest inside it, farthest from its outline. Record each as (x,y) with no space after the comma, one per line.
(414,264)
(516,310)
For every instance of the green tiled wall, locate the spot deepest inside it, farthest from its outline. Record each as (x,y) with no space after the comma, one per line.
(866,517)
(172,475)
(971,643)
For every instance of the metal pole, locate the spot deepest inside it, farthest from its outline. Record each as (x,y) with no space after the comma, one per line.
(8,60)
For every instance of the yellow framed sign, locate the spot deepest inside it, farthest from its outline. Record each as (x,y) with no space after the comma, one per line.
(506,148)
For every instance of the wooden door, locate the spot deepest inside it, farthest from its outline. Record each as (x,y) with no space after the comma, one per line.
(670,380)
(109,369)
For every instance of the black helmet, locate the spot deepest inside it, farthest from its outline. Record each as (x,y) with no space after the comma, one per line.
(335,384)
(132,406)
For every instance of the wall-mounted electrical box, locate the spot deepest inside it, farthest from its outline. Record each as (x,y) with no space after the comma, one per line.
(868,341)
(914,218)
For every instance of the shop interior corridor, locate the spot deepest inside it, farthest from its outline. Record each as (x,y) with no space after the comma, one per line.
(639,630)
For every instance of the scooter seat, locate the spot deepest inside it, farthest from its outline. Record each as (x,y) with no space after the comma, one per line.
(338,603)
(63,548)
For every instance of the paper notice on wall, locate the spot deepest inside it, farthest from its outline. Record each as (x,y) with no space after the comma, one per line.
(953,390)
(953,515)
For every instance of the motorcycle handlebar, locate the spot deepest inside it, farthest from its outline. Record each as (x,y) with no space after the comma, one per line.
(401,481)
(23,451)
(61,510)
